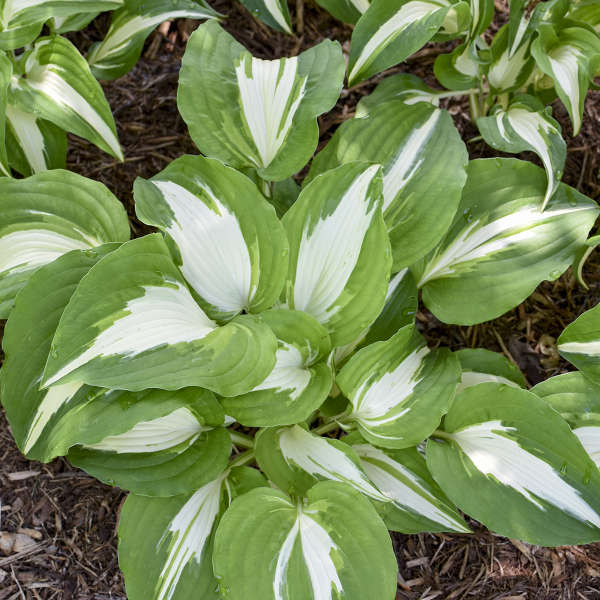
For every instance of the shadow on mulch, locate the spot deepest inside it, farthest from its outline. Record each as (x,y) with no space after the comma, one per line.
(71,518)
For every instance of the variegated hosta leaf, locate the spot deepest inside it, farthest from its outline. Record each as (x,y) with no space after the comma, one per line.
(501,246)
(300,380)
(577,399)
(6,70)
(581,257)
(274,13)
(46,215)
(232,248)
(162,456)
(481,366)
(34,145)
(416,501)
(26,345)
(171,432)
(527,125)
(401,302)
(482,13)
(120,49)
(399,389)
(18,37)
(73,22)
(587,12)
(57,86)
(283,194)
(390,31)
(348,11)
(146,330)
(401,86)
(340,254)
(579,343)
(256,113)
(520,479)
(423,160)
(459,70)
(23,13)
(525,18)
(294,459)
(570,58)
(166,544)
(456,22)
(509,67)
(21,20)
(518,27)
(165,442)
(333,545)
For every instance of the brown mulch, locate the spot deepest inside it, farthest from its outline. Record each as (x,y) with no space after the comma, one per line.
(67,520)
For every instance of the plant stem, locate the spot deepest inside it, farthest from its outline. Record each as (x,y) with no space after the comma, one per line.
(474,106)
(442,434)
(502,100)
(325,428)
(242,459)
(241,439)
(477,138)
(459,93)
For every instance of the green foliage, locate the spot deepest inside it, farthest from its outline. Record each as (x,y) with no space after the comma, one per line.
(262,317)
(48,88)
(548,49)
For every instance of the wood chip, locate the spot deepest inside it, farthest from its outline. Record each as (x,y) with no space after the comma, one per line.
(32,533)
(523,548)
(20,475)
(13,543)
(417,562)
(26,552)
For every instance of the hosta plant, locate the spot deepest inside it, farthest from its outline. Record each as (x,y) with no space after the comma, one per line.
(547,50)
(47,88)
(252,374)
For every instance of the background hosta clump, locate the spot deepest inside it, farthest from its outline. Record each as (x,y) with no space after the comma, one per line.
(263,322)
(547,50)
(47,88)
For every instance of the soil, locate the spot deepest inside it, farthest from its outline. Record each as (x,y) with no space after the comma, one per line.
(70,519)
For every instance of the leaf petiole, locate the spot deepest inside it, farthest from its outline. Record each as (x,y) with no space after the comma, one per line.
(241,439)
(242,459)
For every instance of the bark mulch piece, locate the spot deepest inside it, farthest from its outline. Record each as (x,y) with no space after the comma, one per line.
(62,523)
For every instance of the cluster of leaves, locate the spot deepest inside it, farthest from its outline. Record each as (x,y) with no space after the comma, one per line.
(263,317)
(48,88)
(546,50)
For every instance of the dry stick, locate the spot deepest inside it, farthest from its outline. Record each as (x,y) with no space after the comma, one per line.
(472,584)
(28,551)
(300,16)
(504,348)
(17,582)
(583,166)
